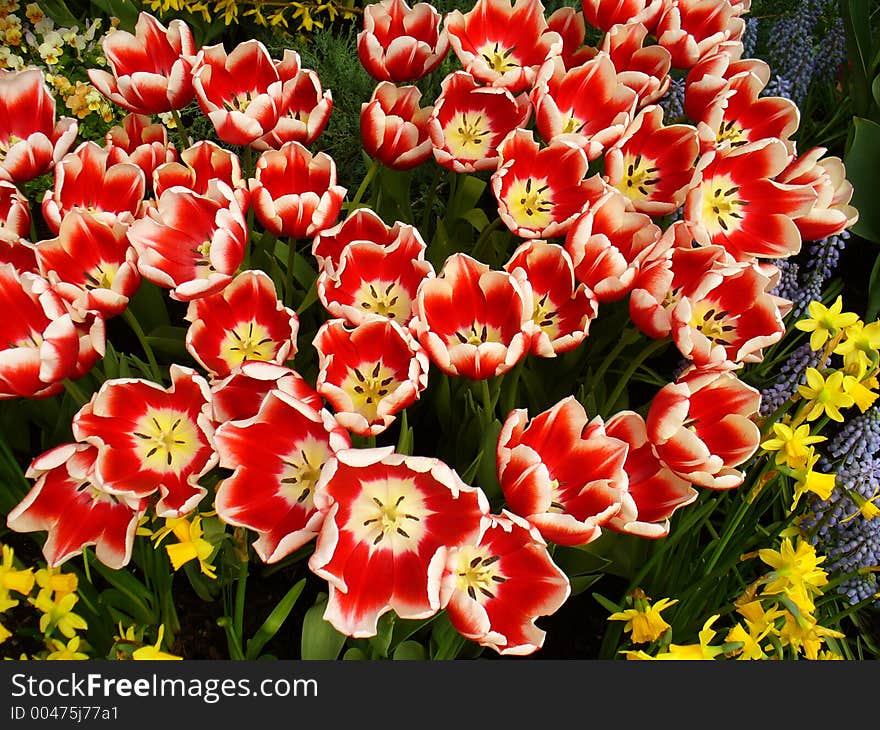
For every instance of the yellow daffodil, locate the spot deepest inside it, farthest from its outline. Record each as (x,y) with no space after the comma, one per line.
(59,614)
(4,633)
(11,579)
(807,480)
(701,651)
(190,546)
(866,507)
(862,396)
(154,651)
(61,584)
(806,635)
(860,345)
(751,643)
(794,567)
(825,396)
(67,651)
(825,322)
(791,444)
(644,621)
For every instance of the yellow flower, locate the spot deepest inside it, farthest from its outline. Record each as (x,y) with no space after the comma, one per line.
(644,621)
(791,444)
(866,507)
(827,396)
(701,651)
(20,581)
(863,397)
(828,655)
(860,344)
(807,480)
(154,652)
(794,567)
(4,633)
(59,614)
(67,651)
(751,649)
(805,635)
(54,580)
(825,322)
(190,546)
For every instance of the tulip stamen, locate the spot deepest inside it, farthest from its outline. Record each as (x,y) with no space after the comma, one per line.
(168,439)
(301,473)
(375,517)
(639,179)
(721,210)
(477,572)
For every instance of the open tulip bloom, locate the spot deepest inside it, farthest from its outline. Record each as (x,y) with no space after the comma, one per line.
(533,336)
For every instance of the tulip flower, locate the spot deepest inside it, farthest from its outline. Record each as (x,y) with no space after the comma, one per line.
(91,263)
(386,518)
(294,193)
(542,190)
(70,504)
(561,471)
(199,164)
(192,244)
(244,322)
(31,140)
(495,589)
(368,373)
(375,280)
(241,92)
(702,426)
(277,457)
(503,43)
(469,121)
(150,70)
(85,178)
(394,128)
(151,439)
(473,321)
(400,43)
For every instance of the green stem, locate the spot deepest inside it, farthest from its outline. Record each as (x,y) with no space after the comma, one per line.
(488,404)
(75,392)
(365,183)
(291,257)
(627,338)
(185,141)
(484,236)
(132,322)
(429,203)
(636,363)
(240,593)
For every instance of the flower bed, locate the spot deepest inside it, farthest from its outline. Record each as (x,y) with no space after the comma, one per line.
(527,363)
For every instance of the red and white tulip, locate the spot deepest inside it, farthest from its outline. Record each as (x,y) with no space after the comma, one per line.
(503,42)
(70,504)
(244,322)
(369,373)
(469,121)
(561,471)
(151,69)
(474,322)
(394,128)
(494,590)
(31,140)
(189,243)
(151,440)
(702,426)
(294,192)
(388,520)
(563,308)
(400,43)
(86,178)
(277,456)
